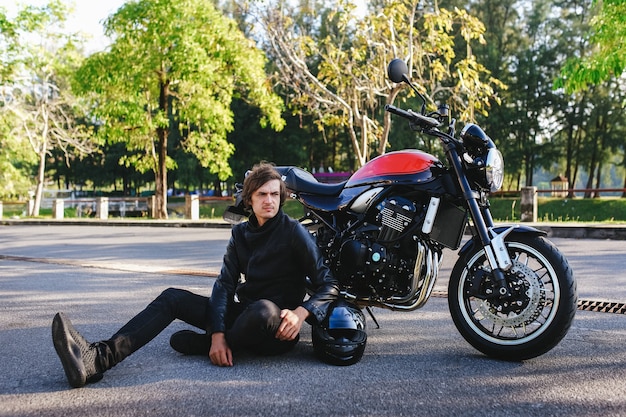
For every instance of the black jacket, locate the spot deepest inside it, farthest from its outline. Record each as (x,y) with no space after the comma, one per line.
(271,262)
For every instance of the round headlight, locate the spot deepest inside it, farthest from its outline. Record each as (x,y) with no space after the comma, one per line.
(494,169)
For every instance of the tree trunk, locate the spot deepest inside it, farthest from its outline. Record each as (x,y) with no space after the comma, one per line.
(598,181)
(589,183)
(40,182)
(387,121)
(569,158)
(601,127)
(624,193)
(529,167)
(161,169)
(217,186)
(593,164)
(161,186)
(574,144)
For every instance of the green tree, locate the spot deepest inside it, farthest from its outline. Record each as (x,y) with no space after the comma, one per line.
(504,47)
(335,68)
(300,142)
(9,41)
(531,98)
(39,97)
(188,63)
(538,127)
(15,160)
(593,77)
(586,121)
(605,55)
(252,143)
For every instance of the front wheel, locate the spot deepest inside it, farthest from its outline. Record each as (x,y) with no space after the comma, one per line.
(529,322)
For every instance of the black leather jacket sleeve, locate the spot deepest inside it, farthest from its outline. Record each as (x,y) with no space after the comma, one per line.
(323,287)
(223,290)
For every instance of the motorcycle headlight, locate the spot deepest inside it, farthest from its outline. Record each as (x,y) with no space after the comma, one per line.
(494,170)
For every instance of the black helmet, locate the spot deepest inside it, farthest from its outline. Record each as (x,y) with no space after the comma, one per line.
(340,339)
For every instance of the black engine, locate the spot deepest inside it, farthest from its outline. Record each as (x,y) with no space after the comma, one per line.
(376,259)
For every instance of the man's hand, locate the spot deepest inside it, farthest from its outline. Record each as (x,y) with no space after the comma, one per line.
(291,323)
(220,354)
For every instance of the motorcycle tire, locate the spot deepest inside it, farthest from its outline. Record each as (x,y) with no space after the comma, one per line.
(531,322)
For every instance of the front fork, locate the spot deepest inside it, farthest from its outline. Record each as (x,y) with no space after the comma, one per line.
(496,251)
(492,242)
(499,259)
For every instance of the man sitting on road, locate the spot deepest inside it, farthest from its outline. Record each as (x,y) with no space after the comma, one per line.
(256,304)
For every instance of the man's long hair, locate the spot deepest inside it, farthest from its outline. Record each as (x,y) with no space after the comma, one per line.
(260,174)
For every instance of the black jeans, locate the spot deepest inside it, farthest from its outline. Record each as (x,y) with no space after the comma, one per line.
(252,328)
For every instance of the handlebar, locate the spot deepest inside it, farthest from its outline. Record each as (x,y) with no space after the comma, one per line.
(420,120)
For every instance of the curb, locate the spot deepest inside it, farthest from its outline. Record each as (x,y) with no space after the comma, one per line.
(559,230)
(215,224)
(615,232)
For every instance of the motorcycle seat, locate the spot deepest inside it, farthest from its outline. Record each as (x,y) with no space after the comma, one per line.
(301,181)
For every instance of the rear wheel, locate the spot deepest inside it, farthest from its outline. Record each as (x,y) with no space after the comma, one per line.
(529,322)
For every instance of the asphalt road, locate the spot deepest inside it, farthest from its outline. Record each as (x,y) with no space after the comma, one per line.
(416,364)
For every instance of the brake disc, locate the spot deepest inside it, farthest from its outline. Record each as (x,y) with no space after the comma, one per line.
(534,293)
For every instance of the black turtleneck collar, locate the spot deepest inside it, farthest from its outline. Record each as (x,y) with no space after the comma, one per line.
(253,222)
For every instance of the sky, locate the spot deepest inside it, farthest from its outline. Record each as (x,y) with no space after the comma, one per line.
(87,17)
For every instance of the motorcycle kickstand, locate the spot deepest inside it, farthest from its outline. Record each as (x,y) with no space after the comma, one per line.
(371,313)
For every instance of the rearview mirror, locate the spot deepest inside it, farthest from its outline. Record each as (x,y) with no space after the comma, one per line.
(398,71)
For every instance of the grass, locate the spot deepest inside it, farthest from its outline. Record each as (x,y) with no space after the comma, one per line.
(564,210)
(214,210)
(504,209)
(606,210)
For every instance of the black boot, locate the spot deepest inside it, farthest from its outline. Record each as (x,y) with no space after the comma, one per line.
(80,359)
(189,342)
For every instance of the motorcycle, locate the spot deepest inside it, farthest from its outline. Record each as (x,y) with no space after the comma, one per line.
(511,293)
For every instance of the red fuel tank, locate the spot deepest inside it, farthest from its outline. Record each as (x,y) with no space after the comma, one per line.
(408,166)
